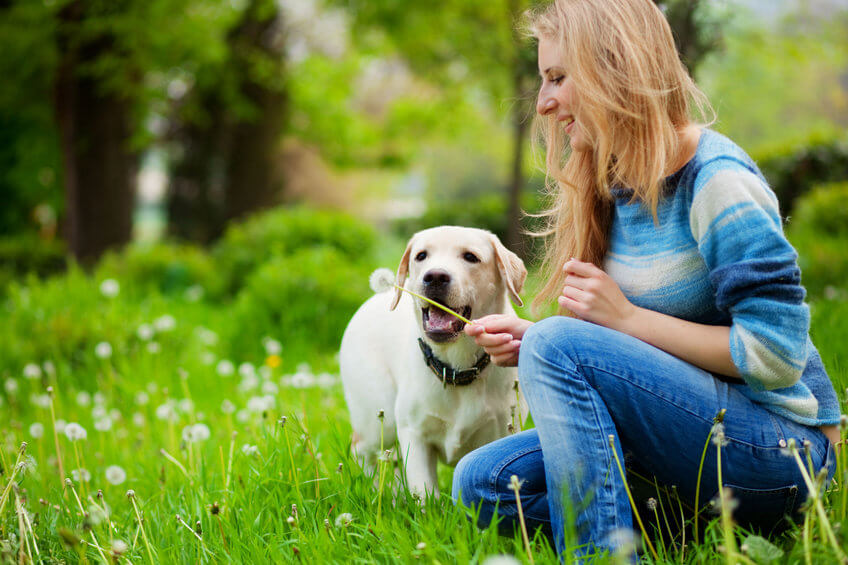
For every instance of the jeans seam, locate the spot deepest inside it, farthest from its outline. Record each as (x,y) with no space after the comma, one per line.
(493,478)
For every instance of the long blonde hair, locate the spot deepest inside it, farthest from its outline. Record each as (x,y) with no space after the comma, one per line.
(634,96)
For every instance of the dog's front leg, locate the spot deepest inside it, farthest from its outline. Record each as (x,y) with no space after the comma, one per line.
(419,461)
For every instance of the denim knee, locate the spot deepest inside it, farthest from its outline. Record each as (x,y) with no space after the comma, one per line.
(549,340)
(467,483)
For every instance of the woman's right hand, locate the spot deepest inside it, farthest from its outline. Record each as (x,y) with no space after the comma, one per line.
(500,336)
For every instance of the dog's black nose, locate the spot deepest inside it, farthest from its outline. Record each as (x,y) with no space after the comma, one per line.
(436,278)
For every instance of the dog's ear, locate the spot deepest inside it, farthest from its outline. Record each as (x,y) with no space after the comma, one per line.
(511,268)
(402,272)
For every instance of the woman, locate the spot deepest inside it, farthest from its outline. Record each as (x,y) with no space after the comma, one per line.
(684,299)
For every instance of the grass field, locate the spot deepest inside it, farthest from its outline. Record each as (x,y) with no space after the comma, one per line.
(149,444)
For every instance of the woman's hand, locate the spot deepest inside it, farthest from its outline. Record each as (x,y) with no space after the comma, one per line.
(593,296)
(500,336)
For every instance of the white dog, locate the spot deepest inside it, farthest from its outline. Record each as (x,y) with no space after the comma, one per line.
(439,394)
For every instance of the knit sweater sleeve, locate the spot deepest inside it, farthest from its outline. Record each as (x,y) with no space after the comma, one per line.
(735,220)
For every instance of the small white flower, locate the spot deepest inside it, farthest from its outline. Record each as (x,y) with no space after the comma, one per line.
(259,404)
(142,398)
(36,430)
(247,370)
(83,398)
(272,346)
(115,475)
(81,475)
(196,433)
(103,424)
(166,412)
(32,371)
(40,400)
(194,293)
(250,450)
(165,323)
(145,332)
(103,350)
(110,288)
(75,432)
(421,546)
(11,386)
(381,280)
(139,420)
(225,368)
(344,519)
(227,407)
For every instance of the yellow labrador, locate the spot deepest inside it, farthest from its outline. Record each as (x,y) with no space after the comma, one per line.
(440,395)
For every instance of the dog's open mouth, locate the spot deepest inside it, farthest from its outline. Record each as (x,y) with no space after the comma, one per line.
(441,326)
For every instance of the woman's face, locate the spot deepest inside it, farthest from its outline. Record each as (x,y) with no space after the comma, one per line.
(557,96)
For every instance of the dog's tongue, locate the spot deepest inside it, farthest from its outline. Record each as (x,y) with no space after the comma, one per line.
(440,321)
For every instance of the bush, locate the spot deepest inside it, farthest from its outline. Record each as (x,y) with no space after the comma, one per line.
(169,268)
(305,299)
(792,172)
(247,245)
(29,254)
(819,231)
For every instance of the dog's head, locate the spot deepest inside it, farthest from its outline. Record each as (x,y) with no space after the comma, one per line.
(466,269)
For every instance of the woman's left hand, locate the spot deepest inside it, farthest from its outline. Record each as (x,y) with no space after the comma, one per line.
(593,296)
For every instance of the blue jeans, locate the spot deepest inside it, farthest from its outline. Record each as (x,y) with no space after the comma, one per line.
(585,383)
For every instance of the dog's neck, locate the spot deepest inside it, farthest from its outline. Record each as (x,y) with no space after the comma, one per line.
(448,374)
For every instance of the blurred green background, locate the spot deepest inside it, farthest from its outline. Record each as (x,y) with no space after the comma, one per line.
(235,149)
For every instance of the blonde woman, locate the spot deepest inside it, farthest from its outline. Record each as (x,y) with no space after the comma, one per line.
(683,298)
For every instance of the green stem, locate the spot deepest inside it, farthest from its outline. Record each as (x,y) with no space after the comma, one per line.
(436,304)
(630,498)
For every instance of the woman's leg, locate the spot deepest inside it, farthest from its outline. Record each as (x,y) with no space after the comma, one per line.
(482,479)
(585,383)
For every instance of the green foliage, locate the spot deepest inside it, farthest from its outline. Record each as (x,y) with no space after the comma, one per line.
(29,254)
(819,231)
(305,299)
(277,233)
(168,268)
(792,171)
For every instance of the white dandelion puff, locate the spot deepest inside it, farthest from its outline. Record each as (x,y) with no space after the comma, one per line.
(36,430)
(60,426)
(194,293)
(344,519)
(225,368)
(270,388)
(154,347)
(11,386)
(81,475)
(381,280)
(185,405)
(227,407)
(75,432)
(40,400)
(83,398)
(250,450)
(196,433)
(99,411)
(103,424)
(247,370)
(115,475)
(139,420)
(207,358)
(32,371)
(103,350)
(166,412)
(49,368)
(99,398)
(259,404)
(272,346)
(145,332)
(165,323)
(119,547)
(142,398)
(110,288)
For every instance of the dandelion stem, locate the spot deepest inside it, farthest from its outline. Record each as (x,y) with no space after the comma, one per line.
(141,527)
(630,497)
(434,303)
(719,418)
(23,522)
(56,436)
(8,488)
(516,486)
(291,461)
(96,544)
(173,460)
(380,461)
(731,552)
(808,539)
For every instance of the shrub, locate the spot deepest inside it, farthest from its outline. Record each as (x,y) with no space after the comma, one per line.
(277,233)
(819,231)
(29,254)
(305,299)
(169,268)
(792,172)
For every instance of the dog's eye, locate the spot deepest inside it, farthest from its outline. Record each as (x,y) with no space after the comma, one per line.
(470,257)
(421,256)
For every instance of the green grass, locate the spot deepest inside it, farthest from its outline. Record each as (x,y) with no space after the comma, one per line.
(236,490)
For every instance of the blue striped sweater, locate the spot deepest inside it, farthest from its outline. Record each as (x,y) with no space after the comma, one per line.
(718,256)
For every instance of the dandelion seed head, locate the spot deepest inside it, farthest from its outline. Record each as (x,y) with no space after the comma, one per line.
(196,433)
(381,280)
(194,293)
(165,323)
(40,400)
(225,368)
(75,432)
(32,371)
(103,424)
(145,332)
(110,288)
(115,475)
(103,350)
(142,398)
(119,547)
(154,347)
(49,368)
(83,399)
(139,420)
(291,521)
(81,475)
(227,407)
(501,560)
(421,546)
(36,430)
(247,370)
(250,450)
(272,346)
(131,493)
(651,503)
(11,386)
(344,519)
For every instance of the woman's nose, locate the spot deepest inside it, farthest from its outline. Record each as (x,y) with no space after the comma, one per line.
(545,104)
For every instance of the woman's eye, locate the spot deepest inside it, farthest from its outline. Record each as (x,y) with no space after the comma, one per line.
(558,80)
(470,257)
(421,256)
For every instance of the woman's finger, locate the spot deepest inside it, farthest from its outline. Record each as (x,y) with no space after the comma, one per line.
(508,347)
(573,266)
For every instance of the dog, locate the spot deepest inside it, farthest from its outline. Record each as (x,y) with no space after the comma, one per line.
(436,391)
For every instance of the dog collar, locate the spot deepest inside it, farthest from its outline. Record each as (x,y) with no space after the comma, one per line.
(449,375)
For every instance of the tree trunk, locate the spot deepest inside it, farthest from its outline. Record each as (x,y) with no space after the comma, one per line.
(99,166)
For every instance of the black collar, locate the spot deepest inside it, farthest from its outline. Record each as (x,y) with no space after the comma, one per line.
(449,375)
